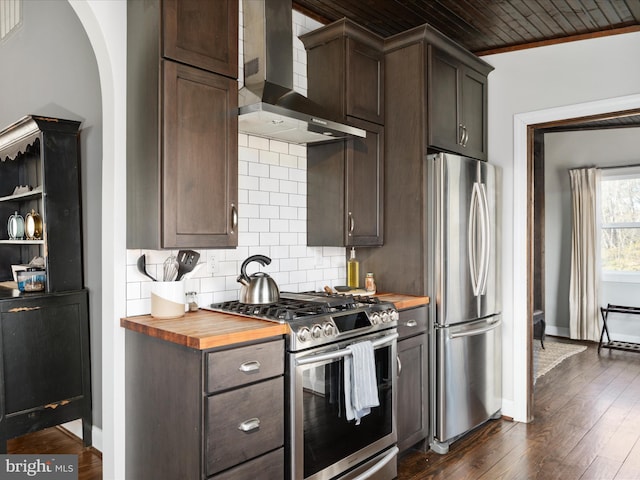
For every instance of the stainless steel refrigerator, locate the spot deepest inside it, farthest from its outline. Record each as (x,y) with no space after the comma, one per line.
(466,372)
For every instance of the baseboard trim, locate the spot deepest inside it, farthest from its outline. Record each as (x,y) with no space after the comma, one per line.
(75,428)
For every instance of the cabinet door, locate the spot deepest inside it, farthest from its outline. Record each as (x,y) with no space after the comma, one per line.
(457,106)
(443,126)
(474,113)
(365,82)
(200,167)
(202,34)
(412,413)
(365,187)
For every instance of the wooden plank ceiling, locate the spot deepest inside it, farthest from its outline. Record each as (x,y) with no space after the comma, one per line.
(484,26)
(493,26)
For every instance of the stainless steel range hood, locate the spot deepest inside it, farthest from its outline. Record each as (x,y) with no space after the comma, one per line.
(269,107)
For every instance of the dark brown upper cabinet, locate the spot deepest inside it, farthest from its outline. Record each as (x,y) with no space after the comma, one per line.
(345,70)
(457,105)
(202,34)
(345,179)
(345,190)
(182,125)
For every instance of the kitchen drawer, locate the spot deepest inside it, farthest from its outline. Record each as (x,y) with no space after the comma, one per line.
(230,437)
(267,467)
(239,366)
(412,321)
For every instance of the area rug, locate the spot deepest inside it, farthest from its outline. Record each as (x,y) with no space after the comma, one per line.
(551,356)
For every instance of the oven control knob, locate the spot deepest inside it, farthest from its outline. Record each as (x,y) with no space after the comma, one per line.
(385,317)
(329,329)
(375,318)
(316,331)
(304,334)
(393,314)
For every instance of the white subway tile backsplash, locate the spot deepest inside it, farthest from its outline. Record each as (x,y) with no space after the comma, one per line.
(298,200)
(281,199)
(258,225)
(269,211)
(278,146)
(269,185)
(247,154)
(288,238)
(288,160)
(258,169)
(272,196)
(279,226)
(279,173)
(258,197)
(289,213)
(286,186)
(268,238)
(271,158)
(259,143)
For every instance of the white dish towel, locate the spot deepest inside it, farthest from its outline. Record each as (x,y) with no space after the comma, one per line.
(360,383)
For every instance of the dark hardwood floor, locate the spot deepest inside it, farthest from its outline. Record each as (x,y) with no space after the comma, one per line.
(586,426)
(58,440)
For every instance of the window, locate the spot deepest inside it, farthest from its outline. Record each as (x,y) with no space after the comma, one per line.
(620,220)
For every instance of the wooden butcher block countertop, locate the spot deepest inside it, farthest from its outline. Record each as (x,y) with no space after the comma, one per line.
(205,329)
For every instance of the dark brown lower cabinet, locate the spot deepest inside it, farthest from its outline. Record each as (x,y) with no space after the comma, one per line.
(196,414)
(413,408)
(46,367)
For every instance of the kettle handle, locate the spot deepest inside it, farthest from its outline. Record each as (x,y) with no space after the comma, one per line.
(261,259)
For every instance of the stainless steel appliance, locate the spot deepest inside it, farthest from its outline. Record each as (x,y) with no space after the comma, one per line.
(466,342)
(322,443)
(269,106)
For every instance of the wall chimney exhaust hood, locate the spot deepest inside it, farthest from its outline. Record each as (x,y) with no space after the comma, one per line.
(269,107)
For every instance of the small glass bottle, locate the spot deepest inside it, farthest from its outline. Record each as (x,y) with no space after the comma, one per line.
(370,283)
(192,301)
(353,270)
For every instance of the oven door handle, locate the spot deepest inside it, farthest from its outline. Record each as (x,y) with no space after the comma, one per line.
(344,351)
(379,465)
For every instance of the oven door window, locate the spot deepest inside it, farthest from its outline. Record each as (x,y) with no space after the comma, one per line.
(328,436)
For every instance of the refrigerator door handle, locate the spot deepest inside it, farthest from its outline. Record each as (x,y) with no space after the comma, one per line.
(472,240)
(476,331)
(486,238)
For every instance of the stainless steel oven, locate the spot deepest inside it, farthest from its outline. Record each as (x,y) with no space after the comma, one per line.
(324,445)
(321,443)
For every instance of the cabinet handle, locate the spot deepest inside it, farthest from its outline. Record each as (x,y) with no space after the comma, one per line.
(249,425)
(22,309)
(248,367)
(234,217)
(411,323)
(352,223)
(460,134)
(399,365)
(466,136)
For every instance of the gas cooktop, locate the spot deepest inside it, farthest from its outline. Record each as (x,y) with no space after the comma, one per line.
(318,317)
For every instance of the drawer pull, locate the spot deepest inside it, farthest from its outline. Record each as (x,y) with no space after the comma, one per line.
(248,367)
(411,323)
(249,425)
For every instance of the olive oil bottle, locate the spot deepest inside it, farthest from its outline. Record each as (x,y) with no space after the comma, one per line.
(353,270)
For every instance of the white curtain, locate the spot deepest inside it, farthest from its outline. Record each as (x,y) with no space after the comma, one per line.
(585,255)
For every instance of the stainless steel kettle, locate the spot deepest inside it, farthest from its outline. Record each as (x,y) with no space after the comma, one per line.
(259,288)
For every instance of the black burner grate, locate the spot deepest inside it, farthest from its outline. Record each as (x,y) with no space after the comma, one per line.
(303,305)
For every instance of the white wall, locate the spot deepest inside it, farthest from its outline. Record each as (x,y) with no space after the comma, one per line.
(523,83)
(565,150)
